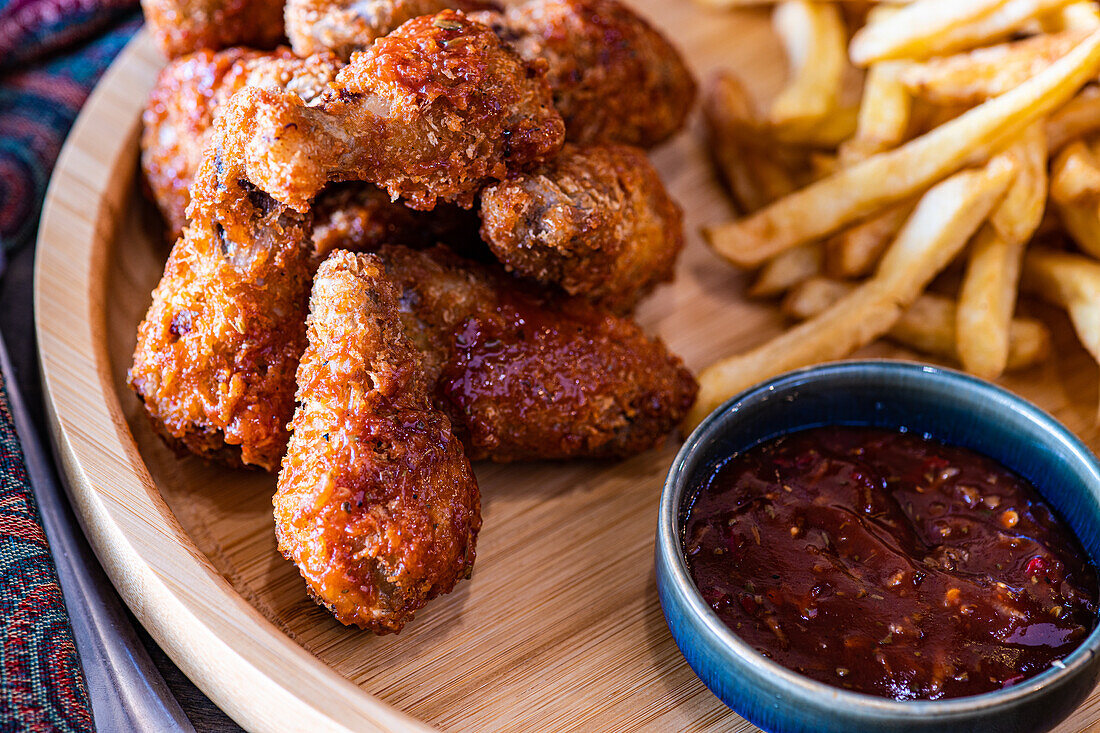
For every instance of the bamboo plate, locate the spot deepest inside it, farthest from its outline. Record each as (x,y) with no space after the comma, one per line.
(560,626)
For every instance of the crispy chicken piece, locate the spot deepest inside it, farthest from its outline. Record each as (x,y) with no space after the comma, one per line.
(596,221)
(217,350)
(185,26)
(179,117)
(528,374)
(615,78)
(377,504)
(346,26)
(434,111)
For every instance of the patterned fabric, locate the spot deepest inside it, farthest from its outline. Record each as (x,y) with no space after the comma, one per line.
(41,94)
(41,684)
(52,52)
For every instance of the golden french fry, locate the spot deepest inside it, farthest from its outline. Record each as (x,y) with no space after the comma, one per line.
(912,31)
(928,28)
(855,252)
(1082,221)
(787,270)
(1072,282)
(973,77)
(1018,217)
(815,41)
(946,217)
(884,114)
(728,113)
(857,192)
(987,301)
(1075,174)
(927,326)
(1077,16)
(837,127)
(1078,117)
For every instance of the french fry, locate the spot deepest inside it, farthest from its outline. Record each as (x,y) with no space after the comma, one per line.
(815,41)
(1072,282)
(855,252)
(884,114)
(946,217)
(859,191)
(928,28)
(1078,16)
(1019,215)
(729,115)
(1075,174)
(1082,222)
(928,326)
(909,32)
(1077,118)
(987,300)
(973,77)
(787,270)
(837,127)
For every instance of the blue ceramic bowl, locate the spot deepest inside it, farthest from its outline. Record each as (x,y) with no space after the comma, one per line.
(952,407)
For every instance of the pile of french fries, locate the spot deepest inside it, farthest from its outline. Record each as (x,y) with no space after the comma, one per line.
(976,139)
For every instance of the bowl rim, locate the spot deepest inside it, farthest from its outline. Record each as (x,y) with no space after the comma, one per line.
(669,547)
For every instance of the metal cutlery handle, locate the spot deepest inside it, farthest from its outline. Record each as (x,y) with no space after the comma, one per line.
(126,691)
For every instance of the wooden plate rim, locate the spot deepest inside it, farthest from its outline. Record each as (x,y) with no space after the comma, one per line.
(243,662)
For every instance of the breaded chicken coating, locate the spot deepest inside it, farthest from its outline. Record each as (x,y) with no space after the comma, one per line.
(217,351)
(186,26)
(596,221)
(615,78)
(239,276)
(346,26)
(434,111)
(529,374)
(179,117)
(377,504)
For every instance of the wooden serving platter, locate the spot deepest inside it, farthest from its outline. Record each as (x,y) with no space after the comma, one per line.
(559,629)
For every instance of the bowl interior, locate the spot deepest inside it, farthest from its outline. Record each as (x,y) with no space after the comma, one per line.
(942,404)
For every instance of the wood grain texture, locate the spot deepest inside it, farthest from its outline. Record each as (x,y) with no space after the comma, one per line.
(559,629)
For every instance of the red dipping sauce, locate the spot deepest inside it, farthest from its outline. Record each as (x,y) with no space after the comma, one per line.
(886,563)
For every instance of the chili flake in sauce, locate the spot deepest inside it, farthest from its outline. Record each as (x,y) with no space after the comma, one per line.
(888,563)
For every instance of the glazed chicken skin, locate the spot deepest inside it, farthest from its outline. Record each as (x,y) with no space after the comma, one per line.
(615,79)
(529,374)
(179,117)
(346,26)
(185,26)
(376,504)
(217,351)
(435,111)
(596,221)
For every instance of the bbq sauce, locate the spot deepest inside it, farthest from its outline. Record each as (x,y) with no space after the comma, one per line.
(887,563)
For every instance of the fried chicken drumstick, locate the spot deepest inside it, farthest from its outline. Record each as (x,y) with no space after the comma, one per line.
(529,374)
(377,504)
(219,345)
(615,78)
(596,221)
